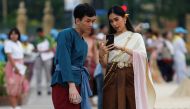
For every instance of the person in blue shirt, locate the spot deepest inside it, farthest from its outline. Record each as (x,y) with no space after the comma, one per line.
(70,80)
(3,57)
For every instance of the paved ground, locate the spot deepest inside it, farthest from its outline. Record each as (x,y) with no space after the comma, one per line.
(38,102)
(164,98)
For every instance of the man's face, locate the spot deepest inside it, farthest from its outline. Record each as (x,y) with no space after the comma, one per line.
(41,34)
(85,24)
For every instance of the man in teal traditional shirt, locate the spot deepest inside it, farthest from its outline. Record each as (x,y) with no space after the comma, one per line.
(70,80)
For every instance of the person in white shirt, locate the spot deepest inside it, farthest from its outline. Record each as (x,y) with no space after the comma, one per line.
(29,55)
(16,83)
(180,50)
(27,46)
(165,57)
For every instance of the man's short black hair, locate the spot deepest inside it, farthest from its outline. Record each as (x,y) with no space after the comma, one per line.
(82,10)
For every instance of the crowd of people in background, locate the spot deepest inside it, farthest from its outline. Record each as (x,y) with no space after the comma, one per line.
(167,54)
(22,58)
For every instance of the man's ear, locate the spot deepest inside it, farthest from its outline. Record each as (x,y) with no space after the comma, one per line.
(77,21)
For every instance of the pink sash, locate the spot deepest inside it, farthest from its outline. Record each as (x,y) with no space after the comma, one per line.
(145,95)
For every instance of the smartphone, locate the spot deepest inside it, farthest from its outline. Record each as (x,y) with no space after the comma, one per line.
(110,39)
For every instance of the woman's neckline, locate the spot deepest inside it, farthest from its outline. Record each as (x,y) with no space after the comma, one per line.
(122,33)
(14,41)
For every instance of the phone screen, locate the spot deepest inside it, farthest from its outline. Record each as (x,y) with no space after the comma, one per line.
(110,39)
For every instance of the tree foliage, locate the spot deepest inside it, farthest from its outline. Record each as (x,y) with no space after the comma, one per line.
(35,10)
(172,9)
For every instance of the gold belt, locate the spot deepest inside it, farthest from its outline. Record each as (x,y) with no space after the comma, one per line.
(123,64)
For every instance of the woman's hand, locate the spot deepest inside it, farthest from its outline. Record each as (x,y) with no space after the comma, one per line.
(126,50)
(16,71)
(74,95)
(105,49)
(119,48)
(103,53)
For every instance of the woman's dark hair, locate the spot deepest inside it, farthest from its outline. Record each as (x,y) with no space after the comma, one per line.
(14,30)
(165,34)
(82,10)
(120,12)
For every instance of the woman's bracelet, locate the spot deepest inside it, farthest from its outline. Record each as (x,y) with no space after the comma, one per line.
(128,51)
(123,49)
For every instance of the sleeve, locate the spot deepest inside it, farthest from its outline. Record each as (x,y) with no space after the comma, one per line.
(140,46)
(64,44)
(51,41)
(8,48)
(182,46)
(31,46)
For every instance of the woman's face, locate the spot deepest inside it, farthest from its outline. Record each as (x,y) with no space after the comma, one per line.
(117,22)
(169,35)
(14,36)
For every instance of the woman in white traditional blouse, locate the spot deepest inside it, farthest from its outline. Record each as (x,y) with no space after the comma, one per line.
(127,83)
(16,83)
